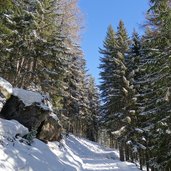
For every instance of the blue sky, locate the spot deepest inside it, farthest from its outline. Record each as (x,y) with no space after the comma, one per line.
(98,14)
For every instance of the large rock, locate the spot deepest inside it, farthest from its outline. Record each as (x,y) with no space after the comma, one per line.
(5,91)
(50,129)
(34,111)
(27,107)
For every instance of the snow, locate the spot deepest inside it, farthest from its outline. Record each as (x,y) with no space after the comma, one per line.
(9,128)
(125,91)
(139,130)
(132,111)
(168,131)
(5,87)
(71,154)
(24,94)
(1,104)
(167,96)
(5,91)
(119,132)
(54,116)
(30,97)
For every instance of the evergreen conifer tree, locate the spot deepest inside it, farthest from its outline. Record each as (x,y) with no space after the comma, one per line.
(155,86)
(115,86)
(93,116)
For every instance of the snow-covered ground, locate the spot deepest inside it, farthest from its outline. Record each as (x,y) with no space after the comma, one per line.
(72,154)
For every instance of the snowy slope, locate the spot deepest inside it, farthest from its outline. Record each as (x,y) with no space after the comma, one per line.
(72,154)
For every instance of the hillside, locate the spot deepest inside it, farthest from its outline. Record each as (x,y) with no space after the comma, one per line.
(71,154)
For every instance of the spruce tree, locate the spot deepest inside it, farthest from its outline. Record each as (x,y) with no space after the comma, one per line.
(154,86)
(93,115)
(124,101)
(35,53)
(161,22)
(115,86)
(135,132)
(75,95)
(107,70)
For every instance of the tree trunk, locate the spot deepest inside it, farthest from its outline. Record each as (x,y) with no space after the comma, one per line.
(121,152)
(147,159)
(141,159)
(111,141)
(127,152)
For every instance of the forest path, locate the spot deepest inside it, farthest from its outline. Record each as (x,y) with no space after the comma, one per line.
(86,155)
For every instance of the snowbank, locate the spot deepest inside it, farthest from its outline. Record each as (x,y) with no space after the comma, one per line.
(11,128)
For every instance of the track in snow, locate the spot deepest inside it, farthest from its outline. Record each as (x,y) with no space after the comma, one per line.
(85,155)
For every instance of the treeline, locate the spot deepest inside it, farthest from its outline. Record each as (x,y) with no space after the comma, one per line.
(40,50)
(136,89)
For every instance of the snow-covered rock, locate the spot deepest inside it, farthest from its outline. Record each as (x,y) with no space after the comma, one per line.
(5,87)
(30,97)
(5,91)
(34,111)
(27,107)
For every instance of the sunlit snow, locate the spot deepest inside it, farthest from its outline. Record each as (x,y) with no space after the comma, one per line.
(71,154)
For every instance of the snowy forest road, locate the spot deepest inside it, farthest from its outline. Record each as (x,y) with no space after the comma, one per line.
(90,156)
